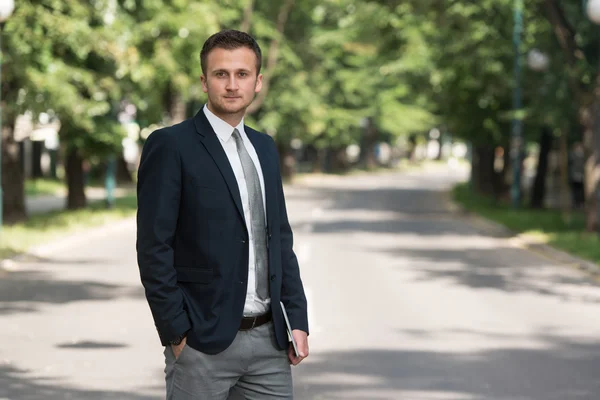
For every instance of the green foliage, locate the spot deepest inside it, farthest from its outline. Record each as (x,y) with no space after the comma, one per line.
(408,65)
(164,39)
(62,58)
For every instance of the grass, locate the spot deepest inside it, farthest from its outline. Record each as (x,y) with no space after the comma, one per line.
(547,226)
(40,187)
(38,229)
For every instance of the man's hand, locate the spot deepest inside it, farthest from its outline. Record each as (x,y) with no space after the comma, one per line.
(301,339)
(177,349)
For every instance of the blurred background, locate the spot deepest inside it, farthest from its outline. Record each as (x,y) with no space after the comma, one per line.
(493,106)
(511,88)
(349,84)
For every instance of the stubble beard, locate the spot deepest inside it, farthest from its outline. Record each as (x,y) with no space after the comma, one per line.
(223,108)
(220,106)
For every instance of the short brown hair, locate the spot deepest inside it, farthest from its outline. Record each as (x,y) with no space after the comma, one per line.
(230,39)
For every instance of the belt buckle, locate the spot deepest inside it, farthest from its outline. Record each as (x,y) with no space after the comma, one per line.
(253,322)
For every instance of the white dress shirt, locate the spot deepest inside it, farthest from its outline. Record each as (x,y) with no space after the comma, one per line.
(224,131)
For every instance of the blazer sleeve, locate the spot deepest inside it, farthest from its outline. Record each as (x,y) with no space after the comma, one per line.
(292,290)
(158,192)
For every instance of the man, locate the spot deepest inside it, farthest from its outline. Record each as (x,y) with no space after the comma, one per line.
(214,242)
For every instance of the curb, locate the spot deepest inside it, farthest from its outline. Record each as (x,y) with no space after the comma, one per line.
(526,242)
(43,251)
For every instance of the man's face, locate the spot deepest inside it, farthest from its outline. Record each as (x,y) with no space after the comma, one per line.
(231,81)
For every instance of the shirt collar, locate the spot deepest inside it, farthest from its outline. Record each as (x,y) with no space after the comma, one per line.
(222,128)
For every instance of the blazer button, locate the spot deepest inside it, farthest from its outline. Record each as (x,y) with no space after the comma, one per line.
(273,277)
(243,241)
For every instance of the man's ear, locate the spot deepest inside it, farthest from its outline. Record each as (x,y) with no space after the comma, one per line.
(259,80)
(204,83)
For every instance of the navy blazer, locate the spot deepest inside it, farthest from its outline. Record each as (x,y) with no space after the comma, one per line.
(192,239)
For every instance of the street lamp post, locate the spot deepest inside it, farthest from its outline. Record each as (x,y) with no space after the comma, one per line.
(538,62)
(6,9)
(516,132)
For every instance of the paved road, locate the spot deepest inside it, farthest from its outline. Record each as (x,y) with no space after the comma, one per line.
(407,301)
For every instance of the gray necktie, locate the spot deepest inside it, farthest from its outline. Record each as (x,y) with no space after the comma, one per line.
(257,214)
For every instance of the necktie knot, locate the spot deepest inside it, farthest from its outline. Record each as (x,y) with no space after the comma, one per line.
(236,135)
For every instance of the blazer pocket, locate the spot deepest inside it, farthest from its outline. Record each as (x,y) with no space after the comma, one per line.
(204,183)
(194,275)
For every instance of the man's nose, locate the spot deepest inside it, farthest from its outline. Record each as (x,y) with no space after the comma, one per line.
(232,83)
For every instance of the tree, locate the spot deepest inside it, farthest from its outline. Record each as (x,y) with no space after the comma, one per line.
(162,72)
(579,41)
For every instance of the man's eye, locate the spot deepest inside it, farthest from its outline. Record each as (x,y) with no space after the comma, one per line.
(243,74)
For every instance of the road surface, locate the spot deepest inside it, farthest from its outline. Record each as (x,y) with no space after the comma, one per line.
(407,300)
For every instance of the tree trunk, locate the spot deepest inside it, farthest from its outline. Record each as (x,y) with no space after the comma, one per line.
(318,162)
(287,161)
(177,108)
(272,56)
(590,122)
(367,153)
(564,177)
(123,174)
(505,174)
(501,189)
(13,187)
(339,161)
(37,148)
(75,182)
(483,169)
(412,150)
(539,185)
(247,21)
(566,35)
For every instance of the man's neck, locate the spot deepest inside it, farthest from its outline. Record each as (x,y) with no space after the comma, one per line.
(231,119)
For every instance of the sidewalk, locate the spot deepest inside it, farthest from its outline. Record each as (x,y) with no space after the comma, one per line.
(47,203)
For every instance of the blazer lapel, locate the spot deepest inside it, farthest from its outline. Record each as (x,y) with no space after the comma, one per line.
(211,142)
(268,174)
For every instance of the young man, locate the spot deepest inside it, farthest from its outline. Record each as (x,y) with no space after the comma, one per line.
(214,243)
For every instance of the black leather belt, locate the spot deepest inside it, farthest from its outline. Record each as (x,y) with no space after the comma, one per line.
(253,322)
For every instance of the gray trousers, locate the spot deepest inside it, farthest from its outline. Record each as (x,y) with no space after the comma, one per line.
(250,368)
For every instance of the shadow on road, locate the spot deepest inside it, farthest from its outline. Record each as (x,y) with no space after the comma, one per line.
(403,210)
(15,384)
(399,200)
(505,269)
(91,345)
(487,374)
(20,291)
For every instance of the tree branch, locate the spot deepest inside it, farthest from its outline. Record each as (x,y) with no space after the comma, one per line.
(564,32)
(566,38)
(247,22)
(284,12)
